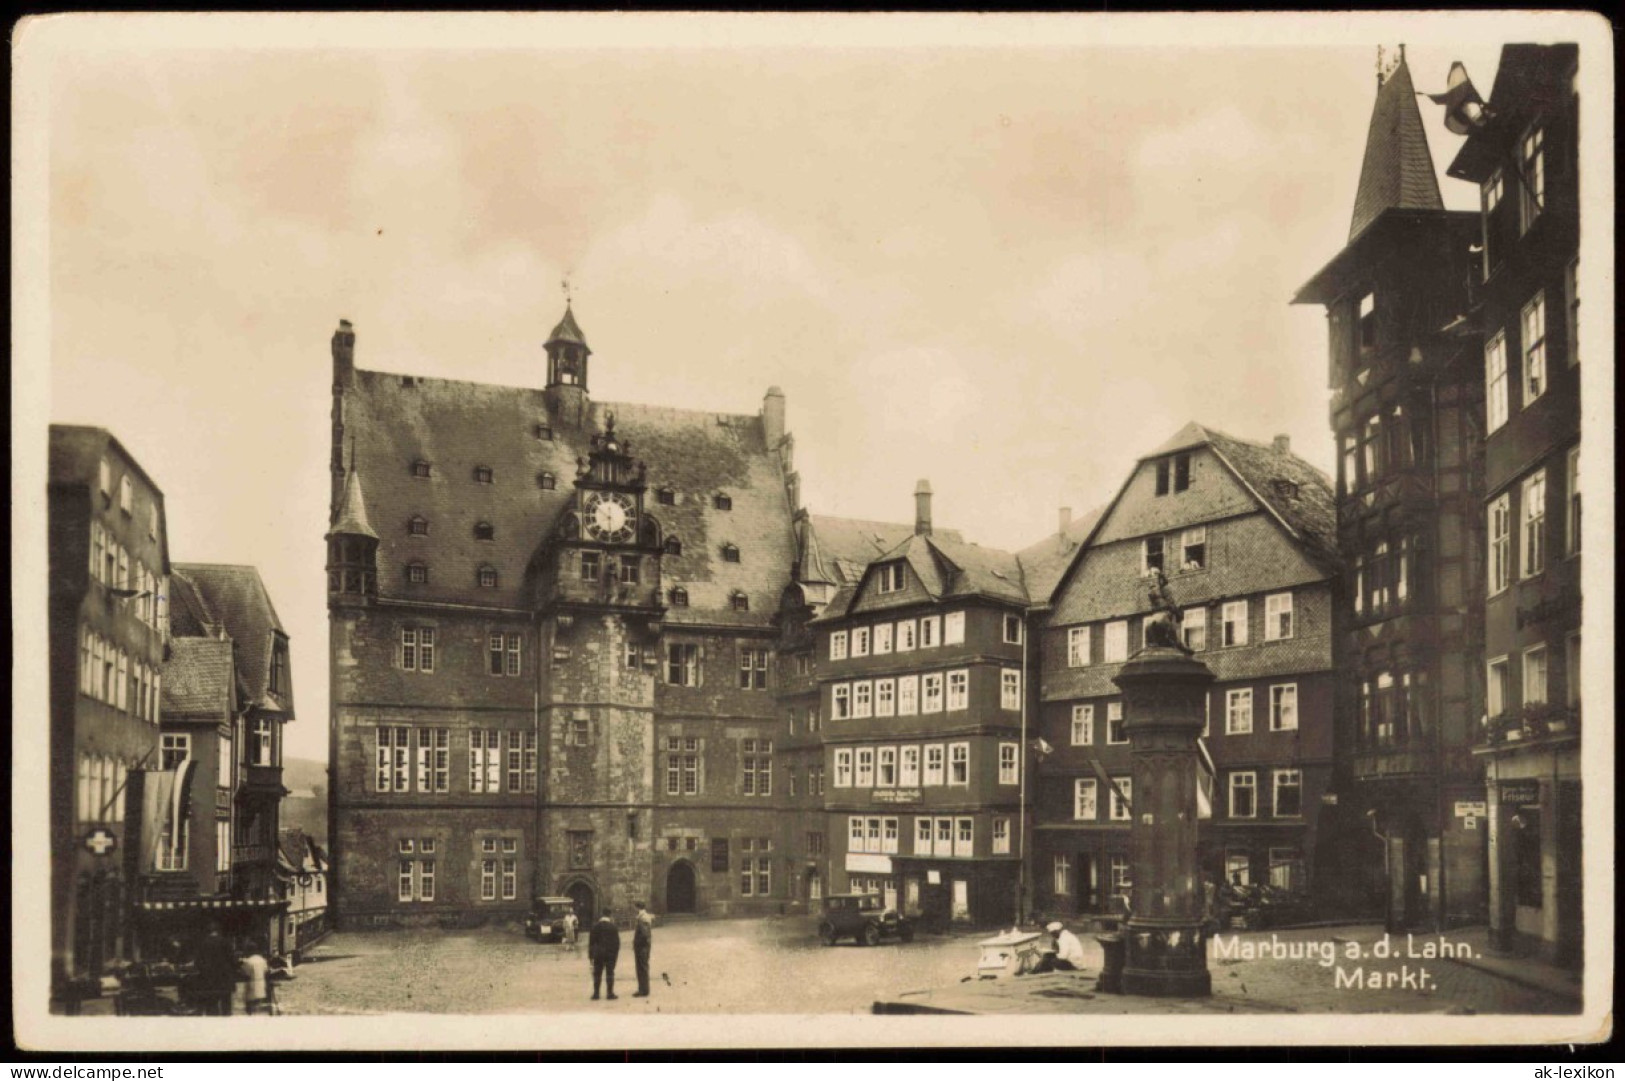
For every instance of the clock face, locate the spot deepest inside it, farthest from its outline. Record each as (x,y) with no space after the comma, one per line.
(609,517)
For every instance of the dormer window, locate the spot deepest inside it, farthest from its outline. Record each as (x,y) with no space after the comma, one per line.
(891,577)
(730,553)
(739,601)
(420,468)
(484,531)
(488,577)
(679,597)
(482,474)
(1286,489)
(417,573)
(666,497)
(722,502)
(543,432)
(418,526)
(547,482)
(1368,322)
(674,547)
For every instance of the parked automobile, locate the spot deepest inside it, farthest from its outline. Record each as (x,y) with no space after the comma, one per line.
(864,918)
(545,923)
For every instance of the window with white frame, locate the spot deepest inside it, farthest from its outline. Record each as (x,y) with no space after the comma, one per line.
(104,475)
(485,760)
(1244,794)
(1496,687)
(1277,617)
(752,668)
(865,767)
(860,641)
(488,880)
(886,767)
(1152,557)
(1499,562)
(908,695)
(1233,623)
(1077,647)
(1571,523)
(1284,707)
(890,577)
(885,698)
(1062,867)
(959,764)
(908,770)
(1122,882)
(923,832)
(1495,381)
(1085,799)
(1193,628)
(1532,159)
(1534,676)
(840,701)
(1534,349)
(837,646)
(930,631)
(1534,523)
(863,698)
(1116,727)
(1010,688)
(931,692)
(1009,764)
(1012,630)
(683,664)
(176,749)
(1193,548)
(883,639)
(393,751)
(1001,836)
(935,755)
(958,690)
(1238,711)
(854,834)
(1116,641)
(1288,793)
(953,628)
(1083,725)
(843,767)
(906,635)
(1122,797)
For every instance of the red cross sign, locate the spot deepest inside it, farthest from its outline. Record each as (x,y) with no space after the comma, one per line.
(100,841)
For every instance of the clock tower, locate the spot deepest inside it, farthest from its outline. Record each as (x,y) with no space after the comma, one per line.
(598,600)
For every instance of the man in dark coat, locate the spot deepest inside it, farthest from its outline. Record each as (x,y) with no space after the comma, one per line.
(642,939)
(603,949)
(216,973)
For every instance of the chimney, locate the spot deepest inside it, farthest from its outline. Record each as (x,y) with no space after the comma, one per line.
(343,354)
(922,508)
(1283,444)
(1066,523)
(773,417)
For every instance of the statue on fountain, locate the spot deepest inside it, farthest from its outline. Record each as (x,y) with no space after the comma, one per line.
(1164,625)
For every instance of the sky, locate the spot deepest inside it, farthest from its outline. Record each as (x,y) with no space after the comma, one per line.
(1009,260)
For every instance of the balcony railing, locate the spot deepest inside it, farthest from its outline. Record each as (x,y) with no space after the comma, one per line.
(241,854)
(266,779)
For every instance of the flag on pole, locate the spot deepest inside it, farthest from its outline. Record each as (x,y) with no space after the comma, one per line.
(1206,775)
(1111,784)
(1463,109)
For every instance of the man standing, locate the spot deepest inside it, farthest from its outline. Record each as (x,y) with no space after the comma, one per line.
(642,936)
(603,949)
(216,973)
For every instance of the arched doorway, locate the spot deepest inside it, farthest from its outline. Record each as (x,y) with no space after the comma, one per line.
(680,887)
(586,901)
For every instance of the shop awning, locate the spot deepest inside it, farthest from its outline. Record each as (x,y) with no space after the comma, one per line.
(205,903)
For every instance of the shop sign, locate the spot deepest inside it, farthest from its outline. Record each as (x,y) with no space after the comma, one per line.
(868,863)
(896,795)
(1520,793)
(1471,809)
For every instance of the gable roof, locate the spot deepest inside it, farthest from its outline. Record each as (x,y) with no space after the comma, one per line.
(198,677)
(843,547)
(236,598)
(1397,172)
(1045,562)
(456,426)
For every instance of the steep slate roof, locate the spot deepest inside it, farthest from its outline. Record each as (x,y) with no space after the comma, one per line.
(1397,172)
(1045,562)
(1307,507)
(352,514)
(845,546)
(237,598)
(947,567)
(456,426)
(198,677)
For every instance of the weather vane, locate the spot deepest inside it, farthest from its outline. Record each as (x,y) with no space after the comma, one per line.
(565,285)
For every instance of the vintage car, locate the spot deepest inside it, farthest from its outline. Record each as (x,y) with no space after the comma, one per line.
(862,917)
(545,923)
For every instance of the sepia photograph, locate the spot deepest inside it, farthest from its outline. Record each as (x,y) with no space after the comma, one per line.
(568,531)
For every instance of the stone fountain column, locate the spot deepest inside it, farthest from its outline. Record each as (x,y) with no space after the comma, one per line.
(1164,691)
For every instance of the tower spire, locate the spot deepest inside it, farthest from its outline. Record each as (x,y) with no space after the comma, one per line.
(1397,171)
